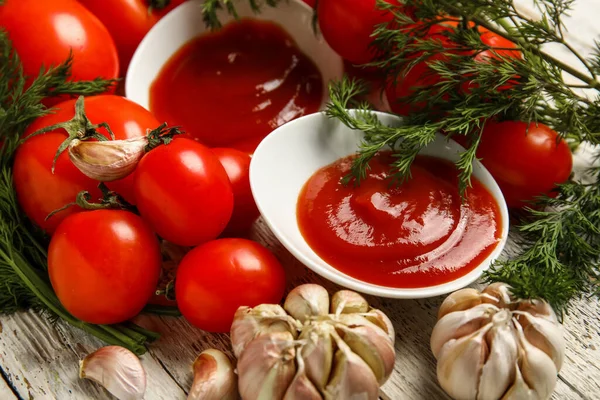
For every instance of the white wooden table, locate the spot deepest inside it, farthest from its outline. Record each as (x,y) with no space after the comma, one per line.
(39,360)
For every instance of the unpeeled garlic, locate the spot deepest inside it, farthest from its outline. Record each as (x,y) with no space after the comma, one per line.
(301,387)
(214,378)
(370,343)
(107,160)
(266,367)
(341,350)
(305,301)
(249,323)
(351,378)
(317,352)
(348,302)
(118,370)
(490,346)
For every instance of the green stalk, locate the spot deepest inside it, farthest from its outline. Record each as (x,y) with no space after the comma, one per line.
(593,83)
(162,310)
(42,290)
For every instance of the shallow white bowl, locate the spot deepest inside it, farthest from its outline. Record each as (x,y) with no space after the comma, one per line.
(291,154)
(185,23)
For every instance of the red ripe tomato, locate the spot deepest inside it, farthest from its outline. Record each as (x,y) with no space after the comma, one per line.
(237,166)
(493,40)
(104,265)
(44,32)
(128,21)
(525,163)
(347,26)
(215,279)
(419,75)
(183,192)
(38,190)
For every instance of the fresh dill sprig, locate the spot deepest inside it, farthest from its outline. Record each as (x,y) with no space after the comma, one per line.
(211,9)
(24,282)
(560,249)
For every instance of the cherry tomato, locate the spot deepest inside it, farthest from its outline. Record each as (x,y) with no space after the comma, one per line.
(128,21)
(104,265)
(218,277)
(183,192)
(44,32)
(38,190)
(237,166)
(347,26)
(420,75)
(525,163)
(493,40)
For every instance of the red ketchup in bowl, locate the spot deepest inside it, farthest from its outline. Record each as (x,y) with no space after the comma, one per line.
(413,235)
(232,87)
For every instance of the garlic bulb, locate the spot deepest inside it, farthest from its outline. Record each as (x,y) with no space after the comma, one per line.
(118,370)
(339,349)
(214,378)
(108,160)
(490,346)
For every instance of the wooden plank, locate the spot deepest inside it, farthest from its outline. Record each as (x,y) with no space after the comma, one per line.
(6,392)
(41,361)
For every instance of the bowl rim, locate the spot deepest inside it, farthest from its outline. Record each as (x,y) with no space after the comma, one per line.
(178,13)
(342,279)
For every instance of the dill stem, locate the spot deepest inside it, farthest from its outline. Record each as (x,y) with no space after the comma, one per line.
(591,81)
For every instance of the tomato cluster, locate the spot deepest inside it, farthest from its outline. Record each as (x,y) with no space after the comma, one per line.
(105,264)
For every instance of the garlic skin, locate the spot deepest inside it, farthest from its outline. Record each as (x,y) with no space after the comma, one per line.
(370,343)
(267,367)
(249,323)
(305,301)
(490,346)
(348,302)
(378,318)
(118,370)
(317,352)
(351,378)
(301,387)
(107,160)
(339,349)
(214,378)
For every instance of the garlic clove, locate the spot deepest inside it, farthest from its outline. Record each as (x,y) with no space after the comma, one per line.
(537,368)
(118,370)
(249,323)
(266,367)
(351,377)
(499,369)
(308,300)
(497,293)
(373,346)
(378,318)
(460,363)
(459,301)
(301,387)
(519,390)
(214,378)
(545,334)
(107,160)
(348,302)
(317,352)
(460,323)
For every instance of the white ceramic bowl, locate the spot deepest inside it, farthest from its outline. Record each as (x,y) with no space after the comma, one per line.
(185,23)
(291,154)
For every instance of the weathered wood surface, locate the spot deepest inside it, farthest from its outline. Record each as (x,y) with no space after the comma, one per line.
(39,360)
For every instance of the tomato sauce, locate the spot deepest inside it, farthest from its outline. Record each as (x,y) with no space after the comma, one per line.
(231,88)
(417,234)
